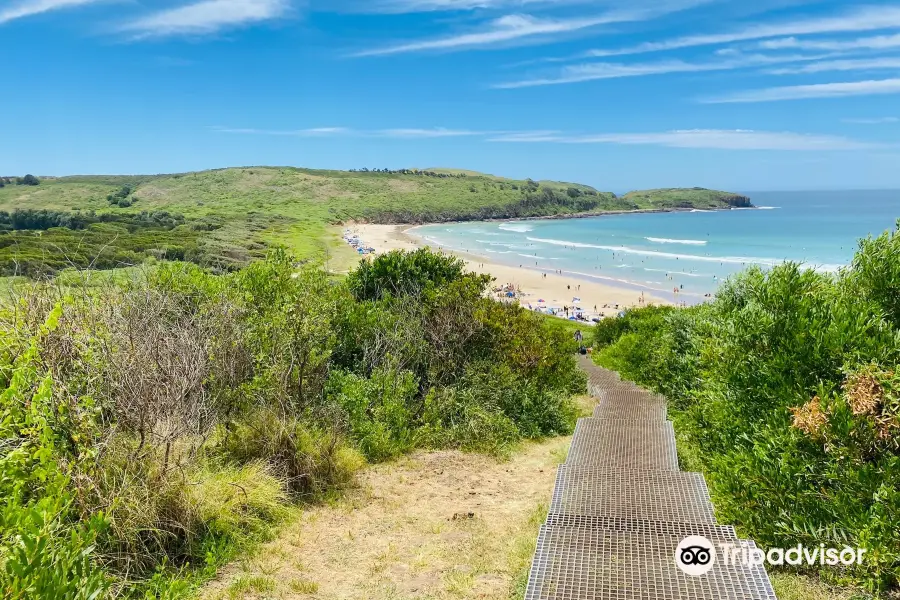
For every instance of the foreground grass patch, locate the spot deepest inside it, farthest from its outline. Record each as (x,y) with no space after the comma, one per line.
(443,525)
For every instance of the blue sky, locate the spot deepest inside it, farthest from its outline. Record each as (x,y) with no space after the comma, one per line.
(735,94)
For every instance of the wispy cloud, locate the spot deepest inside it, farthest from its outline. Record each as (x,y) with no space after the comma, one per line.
(206,17)
(399,133)
(437,132)
(416,6)
(508,28)
(28,8)
(313,132)
(855,64)
(872,121)
(717,139)
(406,133)
(822,90)
(603,70)
(877,42)
(420,6)
(722,139)
(869,18)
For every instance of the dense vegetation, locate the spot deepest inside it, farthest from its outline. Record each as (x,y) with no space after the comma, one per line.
(699,198)
(155,425)
(251,208)
(786,390)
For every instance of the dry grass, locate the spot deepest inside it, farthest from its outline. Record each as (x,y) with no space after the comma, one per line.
(789,586)
(437,525)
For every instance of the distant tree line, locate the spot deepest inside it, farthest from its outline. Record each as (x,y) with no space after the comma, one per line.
(411,172)
(536,201)
(41,220)
(27,180)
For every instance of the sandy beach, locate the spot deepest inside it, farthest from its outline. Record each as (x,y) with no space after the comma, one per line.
(556,290)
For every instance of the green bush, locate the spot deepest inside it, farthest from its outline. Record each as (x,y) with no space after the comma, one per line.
(785,386)
(381,410)
(311,459)
(44,550)
(156,424)
(400,273)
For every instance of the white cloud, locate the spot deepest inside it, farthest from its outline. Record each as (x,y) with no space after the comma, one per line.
(736,139)
(718,139)
(506,29)
(878,42)
(29,8)
(874,121)
(869,18)
(594,71)
(821,90)
(205,17)
(414,6)
(313,132)
(419,6)
(437,132)
(856,64)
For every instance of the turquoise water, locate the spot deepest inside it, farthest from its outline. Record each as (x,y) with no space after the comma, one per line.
(691,251)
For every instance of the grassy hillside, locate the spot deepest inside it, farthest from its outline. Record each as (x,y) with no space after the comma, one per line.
(225,218)
(670,198)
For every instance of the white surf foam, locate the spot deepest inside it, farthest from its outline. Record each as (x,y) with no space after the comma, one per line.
(538,257)
(679,273)
(518,227)
(653,253)
(656,240)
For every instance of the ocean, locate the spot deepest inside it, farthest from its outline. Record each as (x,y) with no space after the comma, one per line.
(693,252)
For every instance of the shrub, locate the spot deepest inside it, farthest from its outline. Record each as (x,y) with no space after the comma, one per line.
(381,410)
(311,459)
(786,386)
(45,551)
(157,423)
(400,273)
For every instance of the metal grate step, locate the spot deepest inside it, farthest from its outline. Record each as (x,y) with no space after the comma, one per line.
(598,564)
(636,445)
(672,497)
(632,410)
(718,533)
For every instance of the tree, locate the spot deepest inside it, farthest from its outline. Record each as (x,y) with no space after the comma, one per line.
(28,180)
(401,273)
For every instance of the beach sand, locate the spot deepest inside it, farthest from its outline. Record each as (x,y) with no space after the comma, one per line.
(556,290)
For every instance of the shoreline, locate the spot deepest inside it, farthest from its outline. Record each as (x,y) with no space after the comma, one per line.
(580,215)
(556,290)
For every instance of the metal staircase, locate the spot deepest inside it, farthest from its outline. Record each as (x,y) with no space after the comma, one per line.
(621,506)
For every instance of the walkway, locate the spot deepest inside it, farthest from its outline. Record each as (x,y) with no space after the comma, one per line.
(621,506)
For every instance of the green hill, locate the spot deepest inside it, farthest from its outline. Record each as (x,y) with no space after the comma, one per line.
(224,218)
(675,198)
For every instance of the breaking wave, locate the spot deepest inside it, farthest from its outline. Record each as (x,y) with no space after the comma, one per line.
(518,227)
(656,240)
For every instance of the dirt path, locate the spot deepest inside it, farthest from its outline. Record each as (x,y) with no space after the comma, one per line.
(435,525)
